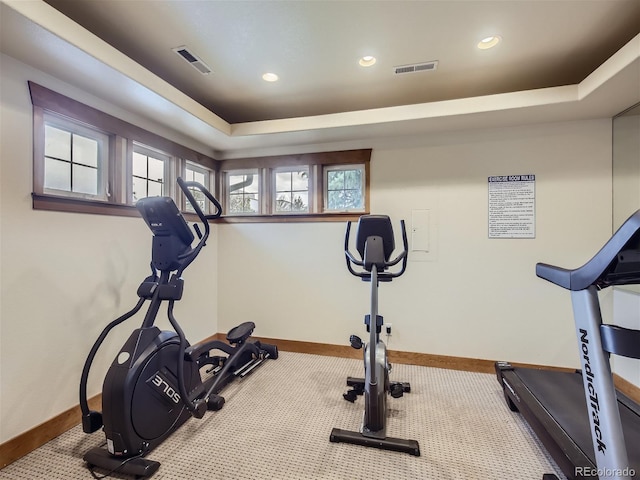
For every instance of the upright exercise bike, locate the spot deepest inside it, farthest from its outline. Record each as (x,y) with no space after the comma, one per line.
(157,380)
(375,244)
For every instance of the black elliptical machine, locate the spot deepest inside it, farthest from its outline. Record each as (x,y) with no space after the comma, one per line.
(157,380)
(375,244)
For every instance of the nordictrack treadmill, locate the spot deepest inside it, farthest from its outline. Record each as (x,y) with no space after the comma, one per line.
(590,429)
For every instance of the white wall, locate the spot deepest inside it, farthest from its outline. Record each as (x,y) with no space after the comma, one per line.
(472,297)
(626,200)
(64,276)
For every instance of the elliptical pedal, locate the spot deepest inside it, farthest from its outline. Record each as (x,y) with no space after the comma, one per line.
(266,352)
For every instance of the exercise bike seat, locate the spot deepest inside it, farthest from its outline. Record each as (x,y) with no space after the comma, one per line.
(240,333)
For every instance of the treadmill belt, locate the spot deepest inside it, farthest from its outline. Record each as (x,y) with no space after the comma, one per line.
(562,395)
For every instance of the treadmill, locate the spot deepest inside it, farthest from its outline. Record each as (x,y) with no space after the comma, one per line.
(590,429)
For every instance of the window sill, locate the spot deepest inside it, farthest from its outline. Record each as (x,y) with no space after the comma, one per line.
(76,205)
(292,218)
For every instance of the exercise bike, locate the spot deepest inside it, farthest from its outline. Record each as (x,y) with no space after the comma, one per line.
(375,244)
(157,380)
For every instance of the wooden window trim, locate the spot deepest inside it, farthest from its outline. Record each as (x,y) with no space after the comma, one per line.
(57,103)
(321,158)
(121,137)
(315,162)
(291,218)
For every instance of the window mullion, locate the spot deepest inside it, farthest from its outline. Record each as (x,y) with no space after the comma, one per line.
(316,188)
(266,205)
(117,178)
(71,169)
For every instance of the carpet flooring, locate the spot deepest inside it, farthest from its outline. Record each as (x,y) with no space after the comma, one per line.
(276,425)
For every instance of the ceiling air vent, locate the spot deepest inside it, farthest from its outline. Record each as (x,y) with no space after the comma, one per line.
(193,60)
(416,67)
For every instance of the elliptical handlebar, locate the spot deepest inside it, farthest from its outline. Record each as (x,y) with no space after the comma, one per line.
(184,186)
(351,259)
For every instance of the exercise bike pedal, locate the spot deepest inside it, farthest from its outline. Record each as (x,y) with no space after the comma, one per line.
(396,389)
(355,341)
(350,395)
(215,402)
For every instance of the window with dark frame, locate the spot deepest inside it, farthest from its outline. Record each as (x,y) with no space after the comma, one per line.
(317,186)
(204,176)
(148,173)
(243,193)
(291,190)
(75,159)
(344,188)
(88,161)
(131,163)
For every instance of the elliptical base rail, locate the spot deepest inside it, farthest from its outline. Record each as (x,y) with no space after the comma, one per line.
(388,443)
(136,466)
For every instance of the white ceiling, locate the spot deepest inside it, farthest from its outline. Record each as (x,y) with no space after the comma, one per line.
(559,60)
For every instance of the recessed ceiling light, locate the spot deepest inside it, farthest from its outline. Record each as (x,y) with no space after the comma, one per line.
(489,42)
(367,61)
(270,77)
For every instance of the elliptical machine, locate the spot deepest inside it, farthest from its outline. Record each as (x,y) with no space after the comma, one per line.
(375,244)
(157,381)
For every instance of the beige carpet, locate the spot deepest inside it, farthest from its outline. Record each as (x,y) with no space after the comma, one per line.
(276,425)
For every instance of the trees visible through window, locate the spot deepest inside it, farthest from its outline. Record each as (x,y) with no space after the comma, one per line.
(292,190)
(194,173)
(243,192)
(296,187)
(344,188)
(81,155)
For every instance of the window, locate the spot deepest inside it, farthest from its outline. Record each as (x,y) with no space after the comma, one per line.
(305,187)
(148,172)
(87,161)
(243,192)
(344,188)
(196,173)
(75,159)
(291,190)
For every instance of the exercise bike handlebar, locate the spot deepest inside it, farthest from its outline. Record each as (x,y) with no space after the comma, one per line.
(351,259)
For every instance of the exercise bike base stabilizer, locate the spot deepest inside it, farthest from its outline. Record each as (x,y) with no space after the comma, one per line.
(375,244)
(158,381)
